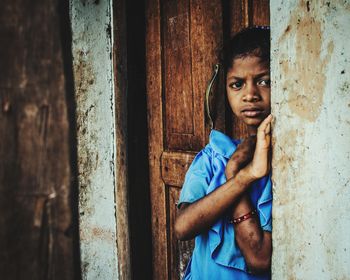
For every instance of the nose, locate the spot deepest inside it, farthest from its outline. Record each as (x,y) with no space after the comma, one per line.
(251,93)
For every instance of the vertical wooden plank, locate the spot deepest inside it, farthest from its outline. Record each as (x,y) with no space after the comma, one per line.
(181,251)
(245,13)
(121,189)
(192,39)
(155,128)
(179,108)
(206,44)
(183,125)
(260,12)
(238,14)
(37,232)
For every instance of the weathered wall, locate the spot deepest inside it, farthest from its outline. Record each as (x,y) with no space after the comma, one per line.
(311,104)
(93,73)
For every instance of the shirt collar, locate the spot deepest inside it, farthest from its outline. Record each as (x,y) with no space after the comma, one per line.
(222,144)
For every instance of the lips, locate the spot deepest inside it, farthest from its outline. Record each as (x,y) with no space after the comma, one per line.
(252,112)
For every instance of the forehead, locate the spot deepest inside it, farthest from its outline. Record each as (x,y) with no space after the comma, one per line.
(248,65)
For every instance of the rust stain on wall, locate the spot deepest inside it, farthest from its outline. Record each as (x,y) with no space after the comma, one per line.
(83,72)
(88,160)
(304,78)
(288,165)
(98,233)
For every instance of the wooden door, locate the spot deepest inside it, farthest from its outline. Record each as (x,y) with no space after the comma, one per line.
(38,203)
(183,42)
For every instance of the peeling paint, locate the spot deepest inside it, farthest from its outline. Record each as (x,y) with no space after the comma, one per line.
(309,68)
(94,93)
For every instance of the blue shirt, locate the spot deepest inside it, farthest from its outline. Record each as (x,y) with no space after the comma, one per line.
(216,254)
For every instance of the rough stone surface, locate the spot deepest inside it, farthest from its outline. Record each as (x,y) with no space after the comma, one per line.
(311,104)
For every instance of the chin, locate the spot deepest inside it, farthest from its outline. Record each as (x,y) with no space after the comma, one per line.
(253,121)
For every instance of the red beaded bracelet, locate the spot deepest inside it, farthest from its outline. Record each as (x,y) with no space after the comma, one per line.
(244,217)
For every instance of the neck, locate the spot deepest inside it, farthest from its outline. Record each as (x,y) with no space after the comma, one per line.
(252,130)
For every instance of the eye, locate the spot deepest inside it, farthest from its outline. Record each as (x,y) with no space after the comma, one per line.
(236,85)
(264,82)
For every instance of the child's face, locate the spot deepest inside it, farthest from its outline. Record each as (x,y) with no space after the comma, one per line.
(248,90)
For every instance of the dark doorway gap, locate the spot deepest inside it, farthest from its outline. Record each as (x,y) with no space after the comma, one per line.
(138,169)
(67,58)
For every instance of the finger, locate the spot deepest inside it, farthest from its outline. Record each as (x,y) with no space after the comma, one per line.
(266,121)
(265,125)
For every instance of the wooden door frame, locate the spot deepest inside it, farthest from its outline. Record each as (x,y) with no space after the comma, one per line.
(155,138)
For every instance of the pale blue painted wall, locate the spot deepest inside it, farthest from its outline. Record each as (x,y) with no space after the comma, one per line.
(93,73)
(311,170)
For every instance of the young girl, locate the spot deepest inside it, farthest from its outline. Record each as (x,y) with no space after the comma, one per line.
(226,200)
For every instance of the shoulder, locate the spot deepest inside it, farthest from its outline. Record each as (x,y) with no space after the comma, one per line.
(221,144)
(220,147)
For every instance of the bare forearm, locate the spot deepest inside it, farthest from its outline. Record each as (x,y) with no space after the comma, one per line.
(255,244)
(202,214)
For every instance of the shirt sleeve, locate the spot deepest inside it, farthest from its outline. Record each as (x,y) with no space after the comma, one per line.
(197,178)
(264,205)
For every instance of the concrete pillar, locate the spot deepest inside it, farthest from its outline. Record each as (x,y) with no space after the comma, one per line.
(311,170)
(93,74)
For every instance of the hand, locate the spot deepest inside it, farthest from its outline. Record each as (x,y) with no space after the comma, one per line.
(260,165)
(241,157)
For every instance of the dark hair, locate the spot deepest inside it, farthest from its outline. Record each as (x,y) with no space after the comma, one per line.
(249,41)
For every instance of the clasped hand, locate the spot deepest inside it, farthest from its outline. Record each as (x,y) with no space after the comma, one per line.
(253,154)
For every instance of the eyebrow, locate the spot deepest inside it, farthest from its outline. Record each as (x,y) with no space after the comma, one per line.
(256,76)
